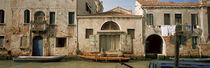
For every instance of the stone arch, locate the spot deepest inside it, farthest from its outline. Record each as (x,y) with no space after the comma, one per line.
(154,45)
(39,16)
(110,25)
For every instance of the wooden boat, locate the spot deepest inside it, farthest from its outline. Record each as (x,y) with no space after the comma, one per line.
(38,58)
(182,64)
(195,59)
(106,59)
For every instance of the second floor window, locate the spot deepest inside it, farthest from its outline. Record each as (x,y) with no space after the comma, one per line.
(26,16)
(52,17)
(39,16)
(150,19)
(178,19)
(1,16)
(166,19)
(71,17)
(194,19)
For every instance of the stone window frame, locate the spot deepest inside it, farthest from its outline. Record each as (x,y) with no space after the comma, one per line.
(152,20)
(24,19)
(197,19)
(3,21)
(50,18)
(169,18)
(181,18)
(194,41)
(87,34)
(72,19)
(65,43)
(88,7)
(132,36)
(3,45)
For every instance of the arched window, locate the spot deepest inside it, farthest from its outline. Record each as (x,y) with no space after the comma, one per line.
(110,26)
(26,16)
(39,16)
(1,16)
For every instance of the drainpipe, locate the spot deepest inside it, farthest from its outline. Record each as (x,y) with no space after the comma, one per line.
(77,46)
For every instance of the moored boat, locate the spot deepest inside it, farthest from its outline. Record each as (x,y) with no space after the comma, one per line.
(38,58)
(106,59)
(182,64)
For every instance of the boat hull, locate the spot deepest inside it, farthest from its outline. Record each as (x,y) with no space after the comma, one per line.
(105,59)
(38,58)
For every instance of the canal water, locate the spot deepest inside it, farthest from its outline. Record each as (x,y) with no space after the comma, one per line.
(70,64)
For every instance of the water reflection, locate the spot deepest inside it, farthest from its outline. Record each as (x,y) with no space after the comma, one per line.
(69,64)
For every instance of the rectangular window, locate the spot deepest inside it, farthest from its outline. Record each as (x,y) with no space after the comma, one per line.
(150,19)
(178,19)
(132,33)
(71,17)
(1,16)
(60,42)
(88,8)
(88,33)
(194,19)
(1,41)
(166,19)
(26,16)
(52,17)
(194,41)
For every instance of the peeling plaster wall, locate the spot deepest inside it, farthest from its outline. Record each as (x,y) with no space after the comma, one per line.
(185,50)
(14,27)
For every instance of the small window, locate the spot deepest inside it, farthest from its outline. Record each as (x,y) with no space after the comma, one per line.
(1,16)
(88,33)
(60,42)
(52,17)
(132,33)
(166,19)
(71,17)
(1,41)
(26,16)
(194,41)
(178,19)
(194,19)
(150,19)
(88,8)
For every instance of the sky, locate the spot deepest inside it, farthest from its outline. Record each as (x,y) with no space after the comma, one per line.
(130,4)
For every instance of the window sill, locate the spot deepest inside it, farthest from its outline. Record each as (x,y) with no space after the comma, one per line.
(3,24)
(71,24)
(27,23)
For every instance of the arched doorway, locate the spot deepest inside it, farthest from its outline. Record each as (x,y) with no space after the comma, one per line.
(39,16)
(110,41)
(154,45)
(37,46)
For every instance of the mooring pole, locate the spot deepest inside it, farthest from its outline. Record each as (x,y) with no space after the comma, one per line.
(176,64)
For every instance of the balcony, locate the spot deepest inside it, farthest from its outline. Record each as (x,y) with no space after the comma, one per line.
(38,26)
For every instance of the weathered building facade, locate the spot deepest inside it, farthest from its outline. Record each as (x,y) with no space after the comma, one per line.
(163,19)
(111,32)
(65,27)
(41,27)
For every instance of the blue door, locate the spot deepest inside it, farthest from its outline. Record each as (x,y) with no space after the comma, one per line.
(37,46)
